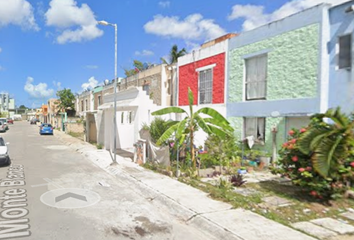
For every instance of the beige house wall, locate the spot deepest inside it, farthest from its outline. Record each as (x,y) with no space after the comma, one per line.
(155,79)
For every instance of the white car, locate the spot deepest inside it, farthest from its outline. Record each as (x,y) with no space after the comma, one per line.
(4,153)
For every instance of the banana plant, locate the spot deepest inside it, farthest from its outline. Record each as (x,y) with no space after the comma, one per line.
(329,140)
(213,123)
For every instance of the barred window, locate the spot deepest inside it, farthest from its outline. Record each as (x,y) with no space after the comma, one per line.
(205,86)
(345,51)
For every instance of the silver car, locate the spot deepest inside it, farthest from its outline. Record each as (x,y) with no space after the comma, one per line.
(2,127)
(4,153)
(4,121)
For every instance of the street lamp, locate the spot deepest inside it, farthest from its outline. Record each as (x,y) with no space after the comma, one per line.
(104,23)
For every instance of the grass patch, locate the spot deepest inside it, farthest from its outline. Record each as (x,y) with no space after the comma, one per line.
(304,207)
(77,135)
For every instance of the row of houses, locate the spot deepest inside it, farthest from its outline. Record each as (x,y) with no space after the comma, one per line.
(264,81)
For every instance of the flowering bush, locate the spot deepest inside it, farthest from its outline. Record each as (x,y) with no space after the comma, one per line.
(298,167)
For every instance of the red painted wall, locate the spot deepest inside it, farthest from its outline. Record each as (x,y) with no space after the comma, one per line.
(188,77)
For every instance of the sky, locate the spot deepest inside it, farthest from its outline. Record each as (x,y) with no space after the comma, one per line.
(46,46)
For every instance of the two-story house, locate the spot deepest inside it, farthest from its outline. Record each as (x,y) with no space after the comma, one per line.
(205,71)
(278,77)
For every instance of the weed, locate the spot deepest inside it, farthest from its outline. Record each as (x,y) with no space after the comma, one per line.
(237,180)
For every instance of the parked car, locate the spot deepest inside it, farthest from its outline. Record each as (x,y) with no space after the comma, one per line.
(2,127)
(10,121)
(4,153)
(4,121)
(34,121)
(46,128)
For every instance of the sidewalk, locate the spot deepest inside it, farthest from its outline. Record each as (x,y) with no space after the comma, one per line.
(191,205)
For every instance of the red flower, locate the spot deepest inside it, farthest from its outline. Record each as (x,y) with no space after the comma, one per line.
(308,168)
(301,170)
(352,164)
(291,132)
(313,193)
(293,140)
(302,130)
(295,158)
(285,145)
(291,146)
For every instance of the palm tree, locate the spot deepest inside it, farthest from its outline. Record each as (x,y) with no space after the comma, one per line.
(174,55)
(173,58)
(328,144)
(215,123)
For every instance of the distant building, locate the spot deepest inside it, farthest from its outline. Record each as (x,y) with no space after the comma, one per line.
(7,105)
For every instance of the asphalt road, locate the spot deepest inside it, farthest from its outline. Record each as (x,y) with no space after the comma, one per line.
(52,192)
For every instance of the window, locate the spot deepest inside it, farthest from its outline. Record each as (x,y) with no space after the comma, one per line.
(345,51)
(122,118)
(130,117)
(256,77)
(86,104)
(99,100)
(255,127)
(82,105)
(205,86)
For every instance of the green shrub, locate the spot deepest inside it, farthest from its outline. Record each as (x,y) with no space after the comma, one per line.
(298,166)
(220,151)
(157,127)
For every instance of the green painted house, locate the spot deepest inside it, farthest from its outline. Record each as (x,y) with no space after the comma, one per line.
(277,77)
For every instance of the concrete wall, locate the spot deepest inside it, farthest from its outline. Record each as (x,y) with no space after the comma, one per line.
(189,77)
(75,127)
(292,65)
(341,81)
(134,101)
(157,80)
(215,55)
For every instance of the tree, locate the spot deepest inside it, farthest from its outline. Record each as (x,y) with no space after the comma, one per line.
(138,67)
(66,100)
(174,55)
(23,107)
(330,145)
(183,130)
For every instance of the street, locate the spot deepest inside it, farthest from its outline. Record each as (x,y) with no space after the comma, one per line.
(52,192)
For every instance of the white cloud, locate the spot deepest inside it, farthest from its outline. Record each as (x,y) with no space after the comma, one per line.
(144,53)
(92,83)
(37,91)
(255,16)
(17,12)
(192,46)
(193,27)
(57,85)
(91,66)
(2,68)
(0,49)
(164,4)
(76,24)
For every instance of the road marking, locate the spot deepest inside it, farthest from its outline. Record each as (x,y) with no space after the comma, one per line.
(40,185)
(70,198)
(49,181)
(70,195)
